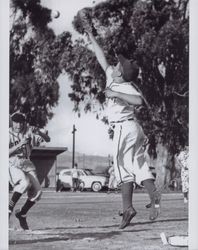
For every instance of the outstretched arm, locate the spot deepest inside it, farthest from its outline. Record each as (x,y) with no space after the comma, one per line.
(98,51)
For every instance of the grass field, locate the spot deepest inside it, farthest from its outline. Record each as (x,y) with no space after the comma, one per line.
(81,221)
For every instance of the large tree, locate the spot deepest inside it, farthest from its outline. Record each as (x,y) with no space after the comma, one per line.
(35,54)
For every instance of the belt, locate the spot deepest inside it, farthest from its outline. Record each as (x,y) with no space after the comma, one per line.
(130,119)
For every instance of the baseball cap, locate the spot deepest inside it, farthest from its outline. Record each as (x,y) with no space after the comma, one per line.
(130,69)
(18,117)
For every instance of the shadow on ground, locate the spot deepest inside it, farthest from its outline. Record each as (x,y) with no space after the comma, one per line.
(51,234)
(52,237)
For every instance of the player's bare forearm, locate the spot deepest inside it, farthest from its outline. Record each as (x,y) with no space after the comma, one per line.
(131,99)
(98,52)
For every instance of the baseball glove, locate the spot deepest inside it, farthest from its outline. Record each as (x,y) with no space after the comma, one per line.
(85,17)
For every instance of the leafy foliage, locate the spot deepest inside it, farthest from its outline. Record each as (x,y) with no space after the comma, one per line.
(35,54)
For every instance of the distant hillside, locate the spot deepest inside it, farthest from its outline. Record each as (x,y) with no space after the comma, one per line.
(99,164)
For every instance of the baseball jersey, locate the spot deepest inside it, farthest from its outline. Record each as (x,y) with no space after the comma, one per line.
(117,109)
(15,138)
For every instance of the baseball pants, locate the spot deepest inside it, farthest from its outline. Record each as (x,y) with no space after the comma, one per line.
(130,163)
(24,180)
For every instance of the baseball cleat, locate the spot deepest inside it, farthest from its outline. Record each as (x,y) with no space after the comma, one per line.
(120,213)
(155,206)
(148,205)
(128,215)
(22,220)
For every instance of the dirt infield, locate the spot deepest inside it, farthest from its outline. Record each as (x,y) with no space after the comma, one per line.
(81,221)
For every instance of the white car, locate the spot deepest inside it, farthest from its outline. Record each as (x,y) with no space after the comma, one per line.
(88,180)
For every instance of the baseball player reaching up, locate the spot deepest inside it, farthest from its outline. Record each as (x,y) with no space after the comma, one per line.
(22,172)
(129,152)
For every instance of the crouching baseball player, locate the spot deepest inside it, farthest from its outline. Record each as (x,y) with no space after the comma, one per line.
(130,164)
(22,172)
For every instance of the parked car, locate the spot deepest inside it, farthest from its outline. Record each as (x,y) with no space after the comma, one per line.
(87,180)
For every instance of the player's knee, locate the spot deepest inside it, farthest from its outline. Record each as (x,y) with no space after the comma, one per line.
(37,197)
(23,185)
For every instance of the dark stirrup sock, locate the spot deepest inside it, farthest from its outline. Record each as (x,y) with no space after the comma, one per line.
(26,207)
(127,194)
(15,197)
(150,187)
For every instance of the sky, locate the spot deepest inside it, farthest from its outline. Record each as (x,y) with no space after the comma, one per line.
(91,136)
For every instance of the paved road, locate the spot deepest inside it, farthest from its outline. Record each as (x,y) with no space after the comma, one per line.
(82,221)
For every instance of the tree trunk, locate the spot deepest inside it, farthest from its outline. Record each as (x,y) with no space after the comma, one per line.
(164,168)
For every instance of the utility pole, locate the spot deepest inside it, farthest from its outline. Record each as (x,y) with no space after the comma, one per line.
(73,153)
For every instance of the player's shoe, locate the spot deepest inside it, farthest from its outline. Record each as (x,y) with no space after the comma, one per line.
(127,216)
(22,220)
(155,206)
(148,205)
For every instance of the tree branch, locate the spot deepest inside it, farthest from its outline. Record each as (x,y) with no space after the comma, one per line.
(181,95)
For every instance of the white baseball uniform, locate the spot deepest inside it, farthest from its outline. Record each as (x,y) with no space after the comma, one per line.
(129,139)
(22,172)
